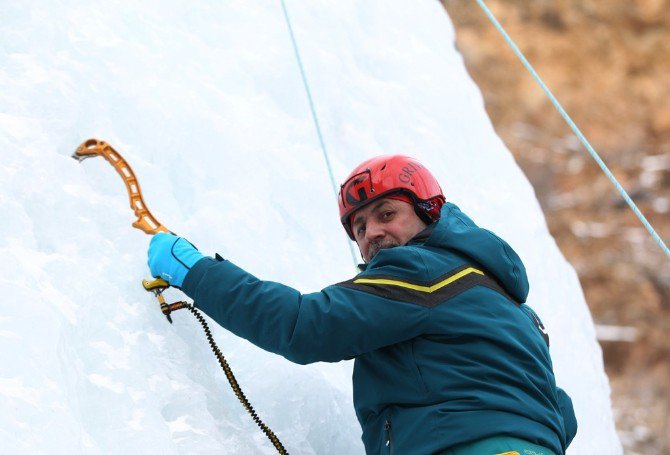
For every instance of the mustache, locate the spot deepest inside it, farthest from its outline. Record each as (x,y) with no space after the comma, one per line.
(376,247)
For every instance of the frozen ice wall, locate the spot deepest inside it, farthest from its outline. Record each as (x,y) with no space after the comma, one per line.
(205,100)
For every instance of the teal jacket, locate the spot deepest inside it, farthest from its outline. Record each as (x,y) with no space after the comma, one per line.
(445,350)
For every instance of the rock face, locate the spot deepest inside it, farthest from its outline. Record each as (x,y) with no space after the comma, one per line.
(608,65)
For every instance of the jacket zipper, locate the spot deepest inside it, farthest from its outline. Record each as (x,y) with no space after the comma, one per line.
(389,436)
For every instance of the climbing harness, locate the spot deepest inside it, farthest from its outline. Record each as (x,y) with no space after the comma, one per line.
(149,225)
(574,127)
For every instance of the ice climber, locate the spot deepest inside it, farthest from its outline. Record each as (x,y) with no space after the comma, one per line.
(448,358)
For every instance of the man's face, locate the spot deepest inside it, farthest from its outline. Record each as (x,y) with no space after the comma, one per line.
(385,223)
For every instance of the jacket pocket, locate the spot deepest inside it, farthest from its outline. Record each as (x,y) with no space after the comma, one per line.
(417,370)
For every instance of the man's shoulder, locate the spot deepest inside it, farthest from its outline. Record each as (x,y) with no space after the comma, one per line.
(417,275)
(417,262)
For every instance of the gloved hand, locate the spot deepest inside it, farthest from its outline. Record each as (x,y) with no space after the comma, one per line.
(171,257)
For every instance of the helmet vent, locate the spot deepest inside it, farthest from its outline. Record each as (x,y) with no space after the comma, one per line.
(383,167)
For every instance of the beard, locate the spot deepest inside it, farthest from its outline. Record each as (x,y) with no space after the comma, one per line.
(376,247)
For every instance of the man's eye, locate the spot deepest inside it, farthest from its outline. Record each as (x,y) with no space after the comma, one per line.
(360,231)
(388,214)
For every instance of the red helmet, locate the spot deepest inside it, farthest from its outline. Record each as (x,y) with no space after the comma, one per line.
(388,175)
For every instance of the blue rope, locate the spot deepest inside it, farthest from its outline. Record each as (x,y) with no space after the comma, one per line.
(574,128)
(314,115)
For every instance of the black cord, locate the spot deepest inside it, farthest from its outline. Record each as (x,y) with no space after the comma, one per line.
(233,382)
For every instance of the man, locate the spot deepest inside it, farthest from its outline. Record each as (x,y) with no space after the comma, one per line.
(448,359)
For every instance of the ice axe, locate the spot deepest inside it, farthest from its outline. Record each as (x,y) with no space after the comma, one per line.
(145,222)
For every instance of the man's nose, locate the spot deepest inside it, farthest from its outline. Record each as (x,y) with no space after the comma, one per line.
(374,231)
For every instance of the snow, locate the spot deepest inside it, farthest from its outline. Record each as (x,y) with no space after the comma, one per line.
(206,103)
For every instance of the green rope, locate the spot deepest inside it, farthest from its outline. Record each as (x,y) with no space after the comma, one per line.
(314,115)
(574,128)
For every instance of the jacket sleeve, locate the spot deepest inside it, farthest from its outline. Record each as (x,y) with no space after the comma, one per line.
(331,325)
(568,414)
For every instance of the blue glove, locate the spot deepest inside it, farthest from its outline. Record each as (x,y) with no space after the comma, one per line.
(171,257)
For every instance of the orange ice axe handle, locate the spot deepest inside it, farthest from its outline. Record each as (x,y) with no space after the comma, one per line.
(145,220)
